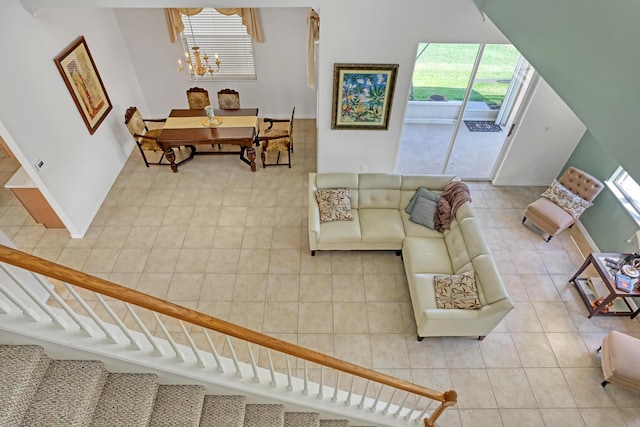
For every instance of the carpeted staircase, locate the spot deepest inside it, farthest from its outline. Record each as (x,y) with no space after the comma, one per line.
(38,391)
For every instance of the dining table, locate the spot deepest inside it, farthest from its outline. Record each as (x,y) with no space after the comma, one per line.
(191,128)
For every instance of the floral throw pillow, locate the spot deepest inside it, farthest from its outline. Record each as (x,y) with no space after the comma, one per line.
(457,291)
(561,196)
(334,205)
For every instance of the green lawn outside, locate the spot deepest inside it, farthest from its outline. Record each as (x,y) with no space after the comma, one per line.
(444,69)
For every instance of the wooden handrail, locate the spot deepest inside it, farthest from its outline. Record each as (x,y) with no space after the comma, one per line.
(104,287)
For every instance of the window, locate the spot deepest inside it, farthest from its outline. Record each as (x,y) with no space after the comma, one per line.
(226,36)
(627,191)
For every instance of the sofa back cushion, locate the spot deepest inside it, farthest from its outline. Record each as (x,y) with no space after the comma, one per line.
(340,180)
(379,191)
(457,247)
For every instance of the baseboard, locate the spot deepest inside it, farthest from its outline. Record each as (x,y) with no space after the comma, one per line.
(587,237)
(521,183)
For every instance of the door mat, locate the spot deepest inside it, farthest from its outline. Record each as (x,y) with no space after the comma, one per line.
(482,126)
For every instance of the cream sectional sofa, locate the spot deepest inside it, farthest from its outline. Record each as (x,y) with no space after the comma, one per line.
(380,222)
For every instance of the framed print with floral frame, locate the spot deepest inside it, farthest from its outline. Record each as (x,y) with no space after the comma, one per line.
(362,95)
(81,76)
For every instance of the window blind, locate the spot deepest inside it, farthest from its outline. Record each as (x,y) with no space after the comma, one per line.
(223,35)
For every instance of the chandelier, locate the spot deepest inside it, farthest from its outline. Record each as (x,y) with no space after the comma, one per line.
(202,65)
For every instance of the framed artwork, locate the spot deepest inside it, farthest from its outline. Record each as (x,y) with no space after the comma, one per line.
(81,76)
(362,95)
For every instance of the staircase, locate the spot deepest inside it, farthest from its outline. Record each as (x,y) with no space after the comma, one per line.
(38,391)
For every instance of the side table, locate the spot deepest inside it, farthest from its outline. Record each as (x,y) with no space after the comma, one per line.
(610,293)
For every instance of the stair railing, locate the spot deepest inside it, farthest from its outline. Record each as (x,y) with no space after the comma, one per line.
(99,288)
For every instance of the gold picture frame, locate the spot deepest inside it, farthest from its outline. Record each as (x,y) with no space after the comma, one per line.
(362,95)
(81,77)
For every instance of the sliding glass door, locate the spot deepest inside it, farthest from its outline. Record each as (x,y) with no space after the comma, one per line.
(461,101)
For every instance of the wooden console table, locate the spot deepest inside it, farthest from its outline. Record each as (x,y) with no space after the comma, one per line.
(588,292)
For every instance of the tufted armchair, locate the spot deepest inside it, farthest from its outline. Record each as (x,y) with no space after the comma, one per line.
(228,99)
(198,98)
(558,209)
(278,138)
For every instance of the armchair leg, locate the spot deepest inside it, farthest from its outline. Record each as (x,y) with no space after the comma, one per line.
(524,218)
(604,383)
(549,238)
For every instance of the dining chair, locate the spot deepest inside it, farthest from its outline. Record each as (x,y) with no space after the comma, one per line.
(145,138)
(228,99)
(278,139)
(198,98)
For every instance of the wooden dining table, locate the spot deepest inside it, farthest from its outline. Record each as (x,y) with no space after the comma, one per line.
(190,128)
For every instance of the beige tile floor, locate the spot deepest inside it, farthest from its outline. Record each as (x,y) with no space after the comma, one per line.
(231,243)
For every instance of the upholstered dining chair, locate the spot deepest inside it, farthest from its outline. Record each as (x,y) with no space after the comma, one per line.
(562,204)
(277,138)
(228,99)
(145,138)
(198,98)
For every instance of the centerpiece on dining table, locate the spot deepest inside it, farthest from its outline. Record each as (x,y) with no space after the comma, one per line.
(212,119)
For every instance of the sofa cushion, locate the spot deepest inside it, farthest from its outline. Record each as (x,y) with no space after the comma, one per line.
(341,231)
(456,247)
(456,291)
(426,255)
(425,193)
(561,196)
(381,225)
(334,205)
(411,229)
(473,238)
(379,190)
(423,211)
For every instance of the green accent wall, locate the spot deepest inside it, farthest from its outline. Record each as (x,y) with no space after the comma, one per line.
(607,221)
(588,52)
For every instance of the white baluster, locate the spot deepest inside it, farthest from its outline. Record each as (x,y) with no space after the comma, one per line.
(347,401)
(415,405)
(375,402)
(134,342)
(46,309)
(91,314)
(423,414)
(289,381)
(254,366)
(234,357)
(305,378)
(193,346)
(172,342)
(335,390)
(4,308)
(216,356)
(321,383)
(156,348)
(28,312)
(401,406)
(274,383)
(364,395)
(86,329)
(385,411)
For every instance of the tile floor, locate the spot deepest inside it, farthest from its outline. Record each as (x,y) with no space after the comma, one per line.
(231,243)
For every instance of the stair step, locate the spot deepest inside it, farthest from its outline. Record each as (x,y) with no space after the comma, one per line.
(263,415)
(177,405)
(223,411)
(127,399)
(301,419)
(334,423)
(21,370)
(68,394)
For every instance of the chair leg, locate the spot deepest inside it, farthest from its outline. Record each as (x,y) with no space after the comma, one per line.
(549,238)
(604,383)
(420,338)
(524,218)
(263,156)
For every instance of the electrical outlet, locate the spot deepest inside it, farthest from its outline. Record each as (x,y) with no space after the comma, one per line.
(39,164)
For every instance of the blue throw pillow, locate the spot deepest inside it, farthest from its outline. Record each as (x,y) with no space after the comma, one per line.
(422,192)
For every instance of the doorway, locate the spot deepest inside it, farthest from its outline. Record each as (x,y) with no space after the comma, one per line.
(463,99)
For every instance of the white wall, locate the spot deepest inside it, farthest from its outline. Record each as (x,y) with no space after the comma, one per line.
(545,135)
(280,64)
(39,118)
(376,31)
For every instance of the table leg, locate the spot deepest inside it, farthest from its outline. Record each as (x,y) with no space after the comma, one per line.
(584,266)
(171,156)
(251,155)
